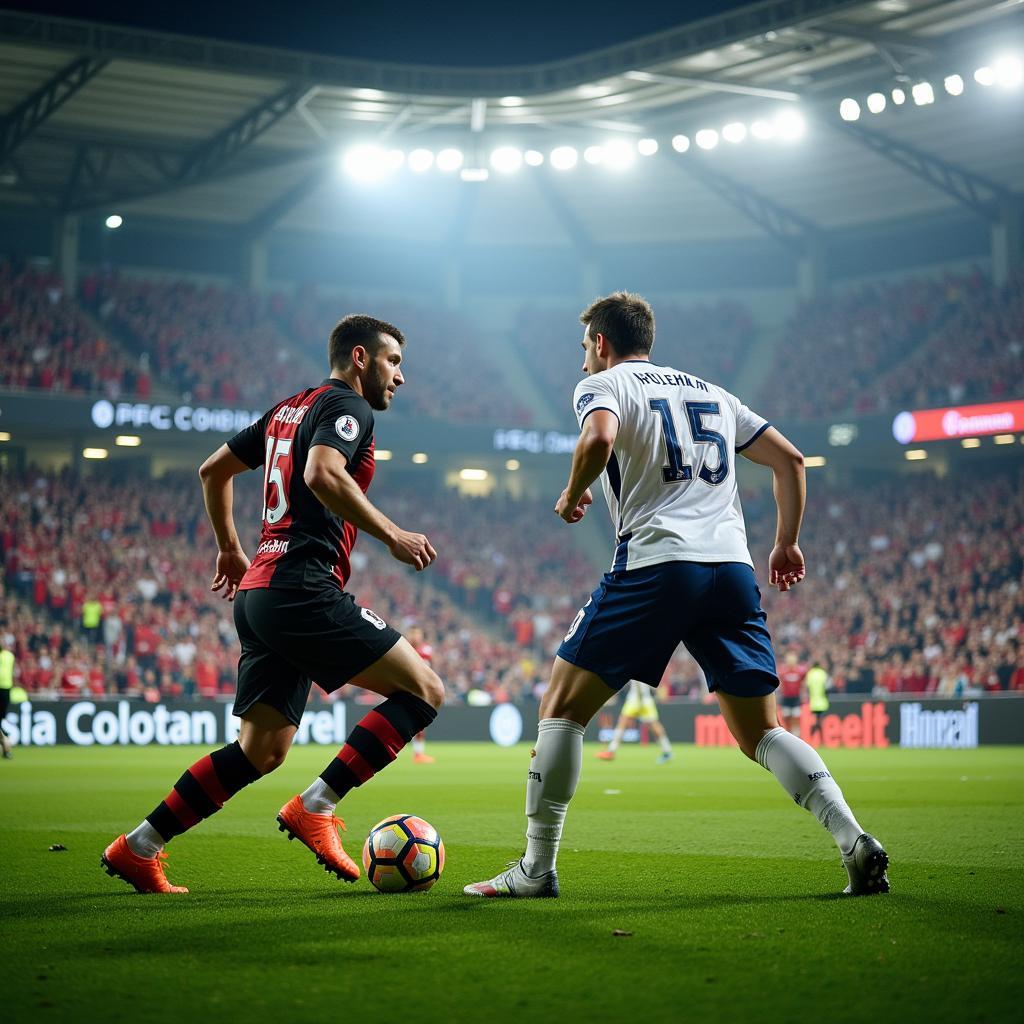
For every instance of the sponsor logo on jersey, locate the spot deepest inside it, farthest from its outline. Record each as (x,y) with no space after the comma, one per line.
(273,547)
(814,776)
(584,401)
(347,427)
(371,616)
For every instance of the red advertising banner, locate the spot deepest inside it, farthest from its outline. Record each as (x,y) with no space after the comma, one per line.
(958,421)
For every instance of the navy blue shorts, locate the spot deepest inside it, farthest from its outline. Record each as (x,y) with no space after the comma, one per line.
(633,622)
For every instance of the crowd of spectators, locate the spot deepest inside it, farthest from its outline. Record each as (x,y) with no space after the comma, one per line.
(708,340)
(910,589)
(47,343)
(208,342)
(451,372)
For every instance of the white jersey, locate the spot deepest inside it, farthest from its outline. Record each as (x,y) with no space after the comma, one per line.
(670,483)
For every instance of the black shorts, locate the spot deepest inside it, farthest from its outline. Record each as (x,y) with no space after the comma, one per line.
(790,704)
(291,639)
(5,701)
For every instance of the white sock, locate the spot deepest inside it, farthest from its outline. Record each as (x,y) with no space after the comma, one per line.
(145,841)
(616,739)
(802,774)
(319,798)
(554,774)
(664,743)
(419,745)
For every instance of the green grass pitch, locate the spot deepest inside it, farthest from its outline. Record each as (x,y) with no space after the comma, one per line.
(728,892)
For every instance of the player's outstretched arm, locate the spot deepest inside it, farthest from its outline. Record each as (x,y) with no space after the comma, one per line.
(591,455)
(217,474)
(327,477)
(786,562)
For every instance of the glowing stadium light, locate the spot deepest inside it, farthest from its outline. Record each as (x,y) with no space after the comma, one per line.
(915,455)
(985,76)
(849,109)
(876,102)
(790,125)
(5,435)
(814,461)
(507,159)
(647,147)
(474,174)
(420,458)
(762,129)
(899,97)
(593,154)
(449,160)
(473,474)
(511,101)
(383,455)
(706,138)
(114,221)
(371,163)
(953,84)
(735,131)
(970,442)
(1004,439)
(590,91)
(512,465)
(923,94)
(619,155)
(127,440)
(564,158)
(533,157)
(1009,72)
(94,453)
(680,143)
(420,160)
(369,94)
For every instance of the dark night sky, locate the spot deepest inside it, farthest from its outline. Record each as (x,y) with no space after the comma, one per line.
(455,33)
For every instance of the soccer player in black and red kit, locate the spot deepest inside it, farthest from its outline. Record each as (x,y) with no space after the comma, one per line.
(296,623)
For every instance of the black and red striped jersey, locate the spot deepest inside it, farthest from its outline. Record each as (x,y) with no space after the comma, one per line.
(303,545)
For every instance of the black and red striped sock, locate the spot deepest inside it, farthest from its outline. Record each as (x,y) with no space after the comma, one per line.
(202,790)
(377,740)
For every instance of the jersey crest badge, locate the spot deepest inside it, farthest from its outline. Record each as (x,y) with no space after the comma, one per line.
(584,401)
(372,617)
(347,427)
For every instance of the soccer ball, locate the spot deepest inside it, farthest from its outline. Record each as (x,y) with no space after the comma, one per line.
(403,853)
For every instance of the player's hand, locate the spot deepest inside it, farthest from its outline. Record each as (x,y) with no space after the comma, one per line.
(786,566)
(413,549)
(573,513)
(231,566)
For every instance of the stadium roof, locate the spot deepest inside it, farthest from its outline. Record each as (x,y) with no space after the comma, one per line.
(155,125)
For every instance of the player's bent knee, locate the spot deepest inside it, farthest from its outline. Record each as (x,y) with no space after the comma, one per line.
(432,690)
(269,760)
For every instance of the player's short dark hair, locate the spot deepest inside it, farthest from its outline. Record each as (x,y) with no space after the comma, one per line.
(358,329)
(625,319)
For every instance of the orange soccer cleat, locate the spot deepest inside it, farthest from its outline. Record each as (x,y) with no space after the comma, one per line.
(422,759)
(320,833)
(606,755)
(144,874)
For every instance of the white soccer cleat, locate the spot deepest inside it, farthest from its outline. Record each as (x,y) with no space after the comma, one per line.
(515,883)
(866,865)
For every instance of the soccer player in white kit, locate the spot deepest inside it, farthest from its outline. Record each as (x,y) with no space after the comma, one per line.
(663,442)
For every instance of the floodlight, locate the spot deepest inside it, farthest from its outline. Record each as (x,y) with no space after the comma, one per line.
(449,160)
(420,458)
(619,155)
(899,97)
(923,94)
(511,101)
(790,125)
(1009,72)
(506,159)
(383,455)
(533,157)
(473,474)
(849,109)
(94,453)
(114,221)
(954,84)
(985,76)
(761,129)
(371,163)
(876,102)
(707,138)
(420,160)
(680,143)
(735,131)
(593,154)
(647,147)
(564,158)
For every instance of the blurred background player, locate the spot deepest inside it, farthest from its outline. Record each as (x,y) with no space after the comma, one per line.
(639,706)
(7,661)
(791,688)
(418,639)
(817,683)
(664,442)
(294,618)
